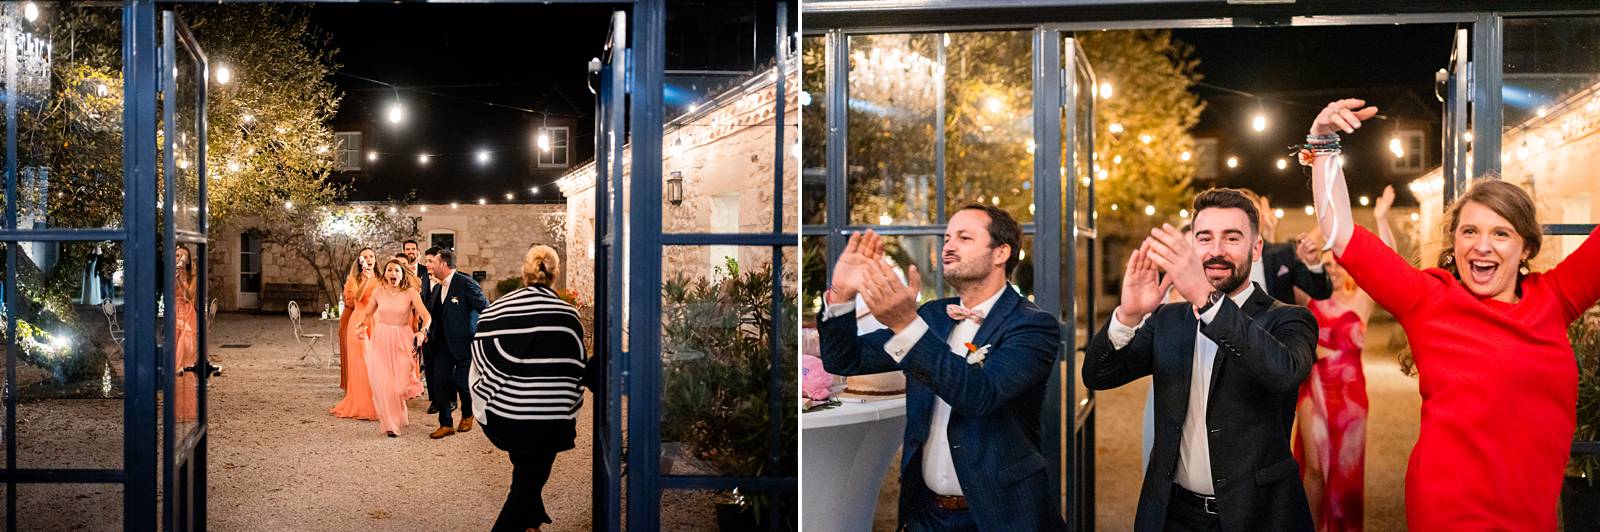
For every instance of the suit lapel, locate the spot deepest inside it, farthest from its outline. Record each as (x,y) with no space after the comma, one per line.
(1187,324)
(1258,301)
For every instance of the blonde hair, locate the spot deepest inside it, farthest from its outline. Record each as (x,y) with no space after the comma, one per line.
(540,266)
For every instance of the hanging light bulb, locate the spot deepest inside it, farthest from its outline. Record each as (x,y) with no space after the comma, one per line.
(1105,90)
(30,11)
(1259,123)
(224,74)
(396,113)
(543,142)
(372,156)
(1233,162)
(483,156)
(1283,163)
(1397,148)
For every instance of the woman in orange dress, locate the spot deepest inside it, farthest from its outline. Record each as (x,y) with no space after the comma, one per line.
(357,402)
(391,369)
(186,345)
(352,285)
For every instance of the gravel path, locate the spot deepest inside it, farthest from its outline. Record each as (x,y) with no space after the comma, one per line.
(279,461)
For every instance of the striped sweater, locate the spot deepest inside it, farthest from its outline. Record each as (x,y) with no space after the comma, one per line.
(528,361)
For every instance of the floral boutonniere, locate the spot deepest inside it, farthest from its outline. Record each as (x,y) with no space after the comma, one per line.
(975,354)
(455,300)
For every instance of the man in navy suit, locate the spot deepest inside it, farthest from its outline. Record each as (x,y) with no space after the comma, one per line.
(454,304)
(977,366)
(426,276)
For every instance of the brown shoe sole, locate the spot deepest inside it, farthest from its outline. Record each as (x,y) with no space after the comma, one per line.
(442,432)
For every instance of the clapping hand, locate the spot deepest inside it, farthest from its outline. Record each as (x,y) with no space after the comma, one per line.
(892,303)
(1171,252)
(1269,222)
(1380,208)
(1142,288)
(1343,115)
(860,253)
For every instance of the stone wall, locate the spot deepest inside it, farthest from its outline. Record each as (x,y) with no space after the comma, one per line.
(490,238)
(725,154)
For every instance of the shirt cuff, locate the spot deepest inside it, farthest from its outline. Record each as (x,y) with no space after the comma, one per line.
(1210,314)
(1316,269)
(904,340)
(1122,334)
(839,309)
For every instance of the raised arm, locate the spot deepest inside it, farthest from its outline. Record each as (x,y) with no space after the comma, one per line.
(1574,280)
(1380,212)
(1328,187)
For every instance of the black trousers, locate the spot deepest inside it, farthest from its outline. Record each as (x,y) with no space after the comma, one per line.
(530,469)
(1187,513)
(449,381)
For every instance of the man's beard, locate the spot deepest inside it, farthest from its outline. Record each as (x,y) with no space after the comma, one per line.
(960,274)
(1233,281)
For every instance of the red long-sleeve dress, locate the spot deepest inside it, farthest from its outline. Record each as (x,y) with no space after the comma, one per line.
(1499,386)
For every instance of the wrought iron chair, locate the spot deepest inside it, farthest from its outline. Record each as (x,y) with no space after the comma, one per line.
(300,336)
(109,308)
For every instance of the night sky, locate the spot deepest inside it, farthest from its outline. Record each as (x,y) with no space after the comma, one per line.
(1299,70)
(526,56)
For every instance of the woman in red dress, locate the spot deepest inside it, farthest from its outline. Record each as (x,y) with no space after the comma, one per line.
(1331,431)
(1489,337)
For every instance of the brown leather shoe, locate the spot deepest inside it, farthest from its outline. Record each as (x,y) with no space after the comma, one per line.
(465,425)
(442,432)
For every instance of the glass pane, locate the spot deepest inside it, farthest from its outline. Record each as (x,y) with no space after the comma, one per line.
(988,114)
(1022,277)
(719,146)
(814,276)
(697,510)
(1550,95)
(68,354)
(813,129)
(185,353)
(891,123)
(69,116)
(186,146)
(717,328)
(93,507)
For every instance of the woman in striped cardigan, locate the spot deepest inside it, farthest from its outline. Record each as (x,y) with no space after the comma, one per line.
(527,382)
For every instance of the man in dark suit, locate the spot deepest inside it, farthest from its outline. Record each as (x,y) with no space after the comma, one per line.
(426,276)
(455,303)
(977,366)
(1227,364)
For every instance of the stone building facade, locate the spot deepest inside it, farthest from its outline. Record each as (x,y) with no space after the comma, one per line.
(724,153)
(487,238)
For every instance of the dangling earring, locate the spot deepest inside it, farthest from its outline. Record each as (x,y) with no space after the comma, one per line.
(1524,269)
(1449,259)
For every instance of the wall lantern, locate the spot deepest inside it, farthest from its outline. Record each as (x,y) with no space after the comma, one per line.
(675,188)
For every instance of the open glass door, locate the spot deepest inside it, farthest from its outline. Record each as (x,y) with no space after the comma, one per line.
(183,370)
(1452,87)
(1074,432)
(609,253)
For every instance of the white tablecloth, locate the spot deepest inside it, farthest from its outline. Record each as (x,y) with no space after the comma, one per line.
(846,453)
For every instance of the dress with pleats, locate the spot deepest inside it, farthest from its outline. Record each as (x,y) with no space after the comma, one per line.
(357,402)
(186,352)
(1337,394)
(391,368)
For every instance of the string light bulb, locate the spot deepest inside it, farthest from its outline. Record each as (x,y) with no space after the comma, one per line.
(30,11)
(396,113)
(224,74)
(543,142)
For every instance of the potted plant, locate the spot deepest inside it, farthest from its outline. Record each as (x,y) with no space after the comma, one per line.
(717,380)
(1580,493)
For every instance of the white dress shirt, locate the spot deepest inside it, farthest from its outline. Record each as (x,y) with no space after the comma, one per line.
(444,286)
(938,466)
(1194,449)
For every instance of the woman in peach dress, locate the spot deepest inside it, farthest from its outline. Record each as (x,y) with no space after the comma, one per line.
(352,292)
(357,402)
(186,346)
(391,369)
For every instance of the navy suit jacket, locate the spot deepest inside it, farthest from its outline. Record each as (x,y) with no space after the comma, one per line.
(994,425)
(1265,349)
(455,321)
(427,280)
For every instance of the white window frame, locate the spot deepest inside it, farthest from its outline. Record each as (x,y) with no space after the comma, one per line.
(347,153)
(1415,143)
(560,154)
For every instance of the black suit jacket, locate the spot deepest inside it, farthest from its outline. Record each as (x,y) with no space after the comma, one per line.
(455,320)
(427,280)
(1264,350)
(1284,272)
